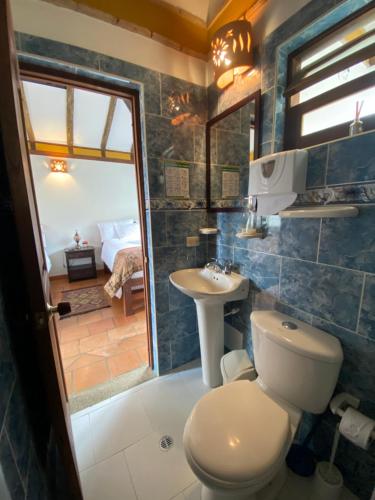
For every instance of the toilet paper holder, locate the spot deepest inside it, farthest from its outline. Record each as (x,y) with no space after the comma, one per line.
(341,402)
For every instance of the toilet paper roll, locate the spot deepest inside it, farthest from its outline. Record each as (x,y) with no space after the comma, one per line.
(272,204)
(357,428)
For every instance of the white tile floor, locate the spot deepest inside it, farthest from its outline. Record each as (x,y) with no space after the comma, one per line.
(117,444)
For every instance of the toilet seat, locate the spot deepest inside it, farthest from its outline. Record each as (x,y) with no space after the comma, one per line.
(237,436)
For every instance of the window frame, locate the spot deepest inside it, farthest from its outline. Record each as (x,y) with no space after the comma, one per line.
(294,114)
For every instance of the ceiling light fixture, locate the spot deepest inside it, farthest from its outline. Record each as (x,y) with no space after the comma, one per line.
(232,53)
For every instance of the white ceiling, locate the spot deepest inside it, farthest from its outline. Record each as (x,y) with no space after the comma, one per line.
(205,10)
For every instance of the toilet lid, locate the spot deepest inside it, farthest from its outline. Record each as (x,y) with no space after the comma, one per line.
(237,433)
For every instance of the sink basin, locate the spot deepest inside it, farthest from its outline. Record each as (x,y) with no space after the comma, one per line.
(210,290)
(210,285)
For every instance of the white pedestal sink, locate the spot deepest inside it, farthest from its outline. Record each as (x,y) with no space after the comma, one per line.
(210,290)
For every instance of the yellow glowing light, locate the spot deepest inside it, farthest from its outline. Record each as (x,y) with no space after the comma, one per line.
(59,166)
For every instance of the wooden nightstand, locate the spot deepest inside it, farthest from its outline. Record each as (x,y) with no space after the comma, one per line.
(81,263)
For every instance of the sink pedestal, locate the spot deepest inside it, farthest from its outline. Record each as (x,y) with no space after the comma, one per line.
(211,340)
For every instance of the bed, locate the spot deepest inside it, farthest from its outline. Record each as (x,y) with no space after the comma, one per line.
(122,255)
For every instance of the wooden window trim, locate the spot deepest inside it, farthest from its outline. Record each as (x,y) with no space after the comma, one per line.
(294,114)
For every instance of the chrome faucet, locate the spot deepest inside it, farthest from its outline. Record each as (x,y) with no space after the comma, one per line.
(214,265)
(217,267)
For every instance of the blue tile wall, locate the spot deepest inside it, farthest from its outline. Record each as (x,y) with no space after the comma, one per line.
(17,454)
(320,271)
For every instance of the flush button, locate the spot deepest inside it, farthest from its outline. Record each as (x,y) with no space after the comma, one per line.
(289,325)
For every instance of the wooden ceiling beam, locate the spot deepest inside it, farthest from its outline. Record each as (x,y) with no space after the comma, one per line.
(108,124)
(70,117)
(26,114)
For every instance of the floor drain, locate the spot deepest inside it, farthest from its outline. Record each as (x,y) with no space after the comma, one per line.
(166,443)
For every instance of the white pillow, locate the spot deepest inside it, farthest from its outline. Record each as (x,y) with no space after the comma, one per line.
(107,230)
(123,228)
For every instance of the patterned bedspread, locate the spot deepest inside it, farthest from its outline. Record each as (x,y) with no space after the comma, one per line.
(127,262)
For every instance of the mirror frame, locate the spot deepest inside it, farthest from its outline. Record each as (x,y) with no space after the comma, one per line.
(256,96)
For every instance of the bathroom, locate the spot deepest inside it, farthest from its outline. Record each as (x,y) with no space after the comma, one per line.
(319,270)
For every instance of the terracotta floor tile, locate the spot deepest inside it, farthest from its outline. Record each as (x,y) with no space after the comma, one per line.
(76,332)
(93,342)
(69,349)
(143,353)
(121,332)
(101,326)
(63,324)
(89,376)
(67,362)
(124,362)
(99,346)
(134,342)
(84,360)
(91,317)
(109,349)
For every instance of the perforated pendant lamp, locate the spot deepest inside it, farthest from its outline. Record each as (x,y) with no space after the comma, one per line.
(232,54)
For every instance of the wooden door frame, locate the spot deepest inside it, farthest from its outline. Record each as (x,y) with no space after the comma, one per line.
(43,74)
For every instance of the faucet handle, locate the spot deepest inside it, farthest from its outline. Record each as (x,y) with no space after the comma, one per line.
(228,266)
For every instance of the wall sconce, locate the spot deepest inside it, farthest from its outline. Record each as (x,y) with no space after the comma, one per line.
(58,166)
(232,51)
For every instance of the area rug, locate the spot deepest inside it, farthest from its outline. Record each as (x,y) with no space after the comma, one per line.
(84,300)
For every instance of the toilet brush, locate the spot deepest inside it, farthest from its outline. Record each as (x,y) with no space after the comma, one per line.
(328,480)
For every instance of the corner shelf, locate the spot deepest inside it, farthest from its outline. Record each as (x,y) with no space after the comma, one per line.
(332,211)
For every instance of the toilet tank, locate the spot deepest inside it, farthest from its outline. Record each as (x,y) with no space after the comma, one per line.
(296,361)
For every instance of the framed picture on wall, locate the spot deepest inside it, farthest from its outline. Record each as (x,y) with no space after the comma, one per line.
(177,180)
(230,182)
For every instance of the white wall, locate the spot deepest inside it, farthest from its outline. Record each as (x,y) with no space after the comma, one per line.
(92,191)
(39,18)
(63,25)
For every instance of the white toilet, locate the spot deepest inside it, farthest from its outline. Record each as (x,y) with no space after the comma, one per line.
(238,435)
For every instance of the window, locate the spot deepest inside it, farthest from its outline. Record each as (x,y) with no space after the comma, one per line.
(328,78)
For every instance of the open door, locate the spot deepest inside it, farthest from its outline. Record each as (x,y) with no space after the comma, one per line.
(19,173)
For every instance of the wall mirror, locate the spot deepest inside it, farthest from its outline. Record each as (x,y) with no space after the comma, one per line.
(232,140)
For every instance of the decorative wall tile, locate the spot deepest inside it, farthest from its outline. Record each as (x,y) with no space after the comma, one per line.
(150,79)
(55,50)
(266,116)
(36,487)
(159,228)
(351,193)
(166,141)
(194,97)
(164,356)
(12,478)
(352,160)
(198,181)
(162,296)
(177,323)
(341,241)
(18,431)
(367,318)
(169,259)
(178,299)
(316,166)
(325,291)
(263,270)
(232,148)
(356,375)
(180,224)
(185,349)
(7,374)
(200,144)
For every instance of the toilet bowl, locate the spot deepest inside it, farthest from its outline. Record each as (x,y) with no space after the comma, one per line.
(238,435)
